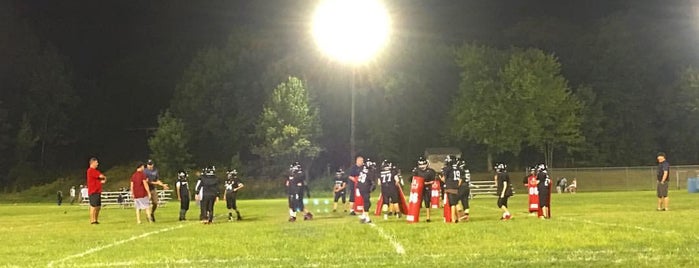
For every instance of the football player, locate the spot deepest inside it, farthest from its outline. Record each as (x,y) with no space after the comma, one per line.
(232,185)
(389,181)
(423,170)
(339,188)
(502,179)
(464,190)
(451,176)
(296,185)
(365,185)
(543,185)
(208,187)
(182,187)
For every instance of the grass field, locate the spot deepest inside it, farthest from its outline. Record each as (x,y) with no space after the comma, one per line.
(587,230)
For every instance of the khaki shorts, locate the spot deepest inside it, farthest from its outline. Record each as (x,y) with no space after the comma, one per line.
(154,197)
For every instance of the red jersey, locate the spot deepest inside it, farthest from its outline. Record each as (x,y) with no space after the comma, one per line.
(94,183)
(137,179)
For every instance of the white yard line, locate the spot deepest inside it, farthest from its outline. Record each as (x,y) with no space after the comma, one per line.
(100,248)
(96,249)
(399,248)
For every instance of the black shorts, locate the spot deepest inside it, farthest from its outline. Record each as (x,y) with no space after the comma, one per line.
(184,202)
(230,200)
(366,197)
(351,194)
(464,193)
(502,202)
(389,194)
(340,194)
(544,199)
(427,197)
(662,189)
(95,200)
(453,199)
(296,202)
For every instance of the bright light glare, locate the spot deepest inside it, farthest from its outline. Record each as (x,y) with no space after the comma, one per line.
(351,31)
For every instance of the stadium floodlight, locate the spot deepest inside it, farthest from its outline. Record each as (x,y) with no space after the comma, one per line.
(353,32)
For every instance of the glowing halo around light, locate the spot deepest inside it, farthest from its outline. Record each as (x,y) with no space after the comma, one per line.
(351,31)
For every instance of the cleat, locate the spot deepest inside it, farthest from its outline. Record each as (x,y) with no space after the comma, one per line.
(239,218)
(230,218)
(427,220)
(352,213)
(292,219)
(398,215)
(308,216)
(385,216)
(152,217)
(464,218)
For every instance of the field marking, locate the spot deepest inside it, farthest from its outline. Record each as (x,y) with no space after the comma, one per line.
(100,248)
(93,250)
(399,248)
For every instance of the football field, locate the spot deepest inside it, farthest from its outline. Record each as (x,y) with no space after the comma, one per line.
(620,229)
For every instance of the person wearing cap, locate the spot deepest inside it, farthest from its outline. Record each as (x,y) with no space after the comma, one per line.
(153,180)
(663,181)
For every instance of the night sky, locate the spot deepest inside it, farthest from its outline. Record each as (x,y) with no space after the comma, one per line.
(125,50)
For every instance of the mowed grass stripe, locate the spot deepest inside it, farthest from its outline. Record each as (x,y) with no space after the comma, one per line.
(587,229)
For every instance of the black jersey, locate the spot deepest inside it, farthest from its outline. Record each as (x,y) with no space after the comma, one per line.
(208,186)
(465,178)
(502,178)
(428,174)
(340,181)
(544,182)
(388,177)
(295,183)
(452,177)
(364,182)
(183,186)
(232,183)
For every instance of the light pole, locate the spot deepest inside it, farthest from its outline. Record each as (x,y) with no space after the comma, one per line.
(353,32)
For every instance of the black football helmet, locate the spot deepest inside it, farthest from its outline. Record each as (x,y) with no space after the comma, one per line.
(421,161)
(500,167)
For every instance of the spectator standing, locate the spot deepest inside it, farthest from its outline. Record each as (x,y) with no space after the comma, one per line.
(153,181)
(663,181)
(95,179)
(141,193)
(83,193)
(72,194)
(59,197)
(562,185)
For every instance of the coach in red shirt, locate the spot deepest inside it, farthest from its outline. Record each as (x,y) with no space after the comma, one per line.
(95,179)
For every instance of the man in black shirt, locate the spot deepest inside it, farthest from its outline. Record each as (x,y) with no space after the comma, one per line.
(663,181)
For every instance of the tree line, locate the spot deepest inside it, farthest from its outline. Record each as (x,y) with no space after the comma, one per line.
(611,92)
